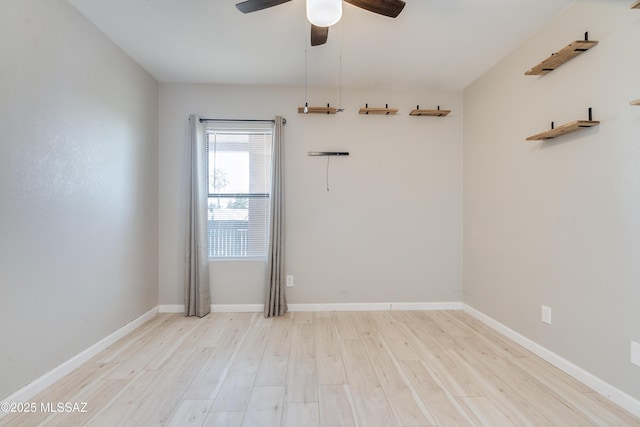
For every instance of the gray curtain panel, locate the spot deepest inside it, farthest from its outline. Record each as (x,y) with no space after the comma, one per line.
(276,301)
(197,301)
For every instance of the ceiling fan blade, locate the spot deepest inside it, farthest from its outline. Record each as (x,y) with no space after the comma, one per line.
(390,8)
(319,35)
(249,6)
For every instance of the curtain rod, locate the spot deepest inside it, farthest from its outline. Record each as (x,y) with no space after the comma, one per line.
(240,120)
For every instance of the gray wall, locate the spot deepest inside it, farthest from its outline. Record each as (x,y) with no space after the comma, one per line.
(388,231)
(78,188)
(556,223)
(83,244)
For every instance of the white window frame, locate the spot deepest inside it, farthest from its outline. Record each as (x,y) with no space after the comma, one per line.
(240,127)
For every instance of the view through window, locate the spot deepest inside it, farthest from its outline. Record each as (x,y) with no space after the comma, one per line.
(239,177)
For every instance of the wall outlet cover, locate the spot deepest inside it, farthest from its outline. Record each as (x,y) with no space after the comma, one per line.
(635,353)
(289,281)
(546,314)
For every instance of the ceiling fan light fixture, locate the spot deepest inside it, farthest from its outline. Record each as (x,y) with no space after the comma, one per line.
(324,13)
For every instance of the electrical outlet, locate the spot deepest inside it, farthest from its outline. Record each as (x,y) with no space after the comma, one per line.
(635,353)
(546,314)
(289,281)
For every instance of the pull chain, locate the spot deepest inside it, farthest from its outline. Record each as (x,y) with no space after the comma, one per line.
(340,108)
(328,159)
(306,100)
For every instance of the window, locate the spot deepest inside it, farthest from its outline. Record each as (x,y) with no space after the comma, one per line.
(239,178)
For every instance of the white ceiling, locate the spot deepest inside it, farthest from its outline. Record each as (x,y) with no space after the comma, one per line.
(443,44)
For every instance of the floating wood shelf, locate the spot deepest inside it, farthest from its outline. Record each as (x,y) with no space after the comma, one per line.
(436,113)
(318,110)
(566,128)
(636,5)
(565,54)
(561,130)
(386,111)
(637,101)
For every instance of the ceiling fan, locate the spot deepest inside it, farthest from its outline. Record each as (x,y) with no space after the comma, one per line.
(324,13)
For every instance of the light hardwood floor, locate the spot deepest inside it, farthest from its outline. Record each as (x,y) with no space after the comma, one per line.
(411,368)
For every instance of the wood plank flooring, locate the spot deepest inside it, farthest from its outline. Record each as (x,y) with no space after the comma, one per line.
(366,369)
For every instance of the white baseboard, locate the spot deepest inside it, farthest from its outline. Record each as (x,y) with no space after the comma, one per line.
(237,308)
(348,306)
(615,395)
(377,306)
(171,308)
(215,308)
(26,393)
(426,306)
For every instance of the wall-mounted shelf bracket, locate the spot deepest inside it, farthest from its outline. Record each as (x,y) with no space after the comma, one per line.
(328,153)
(636,5)
(435,113)
(565,54)
(317,110)
(566,128)
(637,101)
(379,111)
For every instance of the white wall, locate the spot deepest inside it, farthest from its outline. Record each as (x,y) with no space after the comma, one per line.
(389,230)
(556,223)
(78,188)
